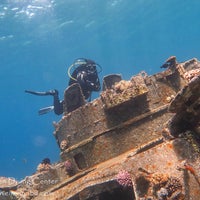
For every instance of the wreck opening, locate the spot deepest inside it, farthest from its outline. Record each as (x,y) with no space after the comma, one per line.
(117,194)
(80,161)
(108,191)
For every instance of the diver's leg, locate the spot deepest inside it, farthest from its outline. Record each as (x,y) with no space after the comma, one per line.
(58,105)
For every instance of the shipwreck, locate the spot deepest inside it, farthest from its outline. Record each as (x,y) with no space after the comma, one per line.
(140,140)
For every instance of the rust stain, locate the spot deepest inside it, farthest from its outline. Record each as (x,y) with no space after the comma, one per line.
(170,146)
(197,192)
(153,167)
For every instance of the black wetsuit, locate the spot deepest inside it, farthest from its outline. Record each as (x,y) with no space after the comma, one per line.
(87,77)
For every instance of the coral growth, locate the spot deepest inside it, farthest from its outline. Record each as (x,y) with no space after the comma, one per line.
(173,185)
(69,167)
(7,182)
(158,179)
(45,165)
(63,145)
(167,187)
(164,186)
(124,178)
(122,85)
(191,74)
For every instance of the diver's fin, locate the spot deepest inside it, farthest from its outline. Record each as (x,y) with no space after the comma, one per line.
(50,92)
(45,110)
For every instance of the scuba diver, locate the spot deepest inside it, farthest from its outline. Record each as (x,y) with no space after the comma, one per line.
(85,74)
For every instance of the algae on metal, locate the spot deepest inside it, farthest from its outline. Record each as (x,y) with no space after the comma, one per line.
(147,127)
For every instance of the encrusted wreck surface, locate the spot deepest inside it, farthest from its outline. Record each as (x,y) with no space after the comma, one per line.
(139,140)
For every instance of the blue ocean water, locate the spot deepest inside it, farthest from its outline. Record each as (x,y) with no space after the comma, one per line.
(39,39)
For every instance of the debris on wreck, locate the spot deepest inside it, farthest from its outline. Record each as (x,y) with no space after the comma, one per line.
(143,133)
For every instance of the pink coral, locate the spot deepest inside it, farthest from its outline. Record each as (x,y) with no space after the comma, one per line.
(124,178)
(68,167)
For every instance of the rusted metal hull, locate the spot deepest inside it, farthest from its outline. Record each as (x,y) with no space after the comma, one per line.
(139,140)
